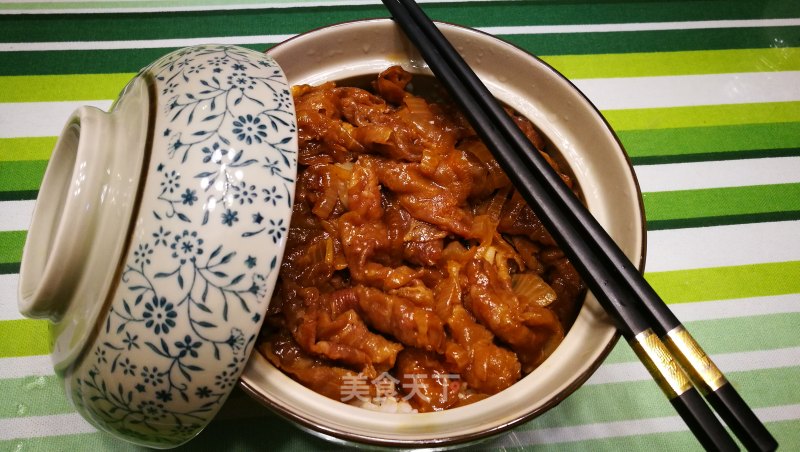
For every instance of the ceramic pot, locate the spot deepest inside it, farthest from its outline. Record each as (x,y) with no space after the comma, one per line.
(157,237)
(584,141)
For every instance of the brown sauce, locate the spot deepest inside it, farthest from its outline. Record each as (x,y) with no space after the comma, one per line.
(412,264)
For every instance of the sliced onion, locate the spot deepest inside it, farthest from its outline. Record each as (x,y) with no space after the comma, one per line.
(531,288)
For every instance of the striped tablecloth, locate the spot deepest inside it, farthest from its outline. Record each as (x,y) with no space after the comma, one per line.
(705,96)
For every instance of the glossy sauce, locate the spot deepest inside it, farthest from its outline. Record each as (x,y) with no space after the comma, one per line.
(410,258)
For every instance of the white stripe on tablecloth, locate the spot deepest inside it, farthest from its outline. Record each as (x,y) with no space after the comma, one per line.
(16,215)
(691,90)
(717,174)
(140,44)
(73,423)
(719,246)
(738,307)
(8,297)
(33,119)
(727,363)
(617,429)
(26,366)
(40,119)
(641,26)
(41,426)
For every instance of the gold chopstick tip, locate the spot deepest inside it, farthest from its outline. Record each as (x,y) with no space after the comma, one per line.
(703,372)
(666,371)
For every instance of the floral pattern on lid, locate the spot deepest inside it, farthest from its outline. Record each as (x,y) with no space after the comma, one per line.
(206,247)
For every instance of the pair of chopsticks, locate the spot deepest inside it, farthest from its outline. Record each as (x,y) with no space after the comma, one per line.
(659,339)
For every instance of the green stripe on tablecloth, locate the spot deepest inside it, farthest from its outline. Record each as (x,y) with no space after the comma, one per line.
(108,79)
(676,63)
(280,21)
(183,24)
(687,144)
(44,395)
(242,435)
(786,432)
(47,88)
(99,6)
(658,146)
(83,61)
(724,283)
(663,210)
(721,206)
(677,286)
(571,58)
(145,5)
(671,441)
(29,338)
(719,336)
(11,244)
(17,195)
(7,268)
(21,179)
(627,439)
(692,144)
(232,435)
(703,116)
(223,4)
(654,41)
(645,147)
(733,335)
(573,412)
(26,148)
(96,442)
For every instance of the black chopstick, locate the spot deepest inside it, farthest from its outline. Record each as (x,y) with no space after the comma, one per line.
(613,279)
(704,373)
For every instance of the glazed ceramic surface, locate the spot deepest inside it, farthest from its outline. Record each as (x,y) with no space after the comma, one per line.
(194,257)
(600,166)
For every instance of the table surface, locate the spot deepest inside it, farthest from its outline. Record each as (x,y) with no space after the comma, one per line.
(704,95)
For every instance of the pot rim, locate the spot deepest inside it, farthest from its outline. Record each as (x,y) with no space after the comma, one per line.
(250,387)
